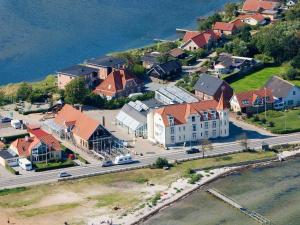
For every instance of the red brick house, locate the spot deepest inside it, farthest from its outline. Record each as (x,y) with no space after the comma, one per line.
(253,101)
(119,83)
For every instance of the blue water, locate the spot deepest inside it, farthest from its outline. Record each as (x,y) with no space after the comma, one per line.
(38,37)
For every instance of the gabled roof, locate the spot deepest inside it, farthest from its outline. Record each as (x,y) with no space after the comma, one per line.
(256,5)
(180,112)
(224,26)
(257,16)
(176,52)
(84,126)
(78,70)
(115,82)
(208,84)
(238,23)
(247,99)
(166,67)
(46,138)
(203,38)
(189,35)
(280,88)
(25,145)
(151,57)
(106,61)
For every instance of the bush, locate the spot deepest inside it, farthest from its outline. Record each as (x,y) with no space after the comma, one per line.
(66,164)
(194,178)
(271,124)
(256,118)
(160,163)
(155,199)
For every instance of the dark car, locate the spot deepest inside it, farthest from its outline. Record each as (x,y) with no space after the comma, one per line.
(5,120)
(192,151)
(107,163)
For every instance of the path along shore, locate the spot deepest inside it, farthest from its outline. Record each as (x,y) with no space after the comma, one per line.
(180,189)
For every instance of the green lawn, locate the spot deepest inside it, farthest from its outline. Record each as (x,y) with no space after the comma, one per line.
(284,122)
(258,79)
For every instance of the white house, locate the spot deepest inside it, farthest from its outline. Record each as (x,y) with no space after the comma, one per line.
(253,19)
(290,3)
(284,91)
(180,123)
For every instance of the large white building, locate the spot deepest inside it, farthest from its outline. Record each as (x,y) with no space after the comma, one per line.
(180,123)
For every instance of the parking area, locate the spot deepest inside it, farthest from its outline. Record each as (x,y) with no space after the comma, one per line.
(8,131)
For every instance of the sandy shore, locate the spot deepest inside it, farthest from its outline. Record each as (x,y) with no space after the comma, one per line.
(177,191)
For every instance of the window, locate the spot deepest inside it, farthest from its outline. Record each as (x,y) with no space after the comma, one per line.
(206,125)
(179,128)
(201,125)
(214,133)
(172,130)
(193,119)
(183,128)
(184,137)
(171,120)
(172,139)
(214,125)
(245,102)
(194,136)
(201,134)
(194,127)
(294,92)
(206,133)
(179,138)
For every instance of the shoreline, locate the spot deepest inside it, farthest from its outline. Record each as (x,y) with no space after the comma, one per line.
(140,216)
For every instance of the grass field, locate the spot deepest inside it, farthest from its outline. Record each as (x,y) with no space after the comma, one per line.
(284,122)
(258,79)
(77,200)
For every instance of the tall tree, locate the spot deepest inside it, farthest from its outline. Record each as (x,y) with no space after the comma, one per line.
(24,91)
(76,91)
(206,146)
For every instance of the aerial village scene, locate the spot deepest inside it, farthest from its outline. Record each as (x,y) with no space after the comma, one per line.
(197,126)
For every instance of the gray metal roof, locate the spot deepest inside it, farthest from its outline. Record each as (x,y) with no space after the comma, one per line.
(177,94)
(6,154)
(208,84)
(280,88)
(153,103)
(78,70)
(106,61)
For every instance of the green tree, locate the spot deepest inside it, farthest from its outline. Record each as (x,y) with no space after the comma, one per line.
(293,13)
(165,47)
(264,58)
(244,33)
(138,70)
(237,47)
(296,61)
(24,91)
(291,74)
(95,100)
(230,10)
(160,162)
(199,53)
(76,91)
(206,146)
(207,23)
(244,142)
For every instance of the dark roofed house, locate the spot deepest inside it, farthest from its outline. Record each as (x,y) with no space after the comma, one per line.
(210,88)
(165,71)
(8,157)
(285,92)
(106,64)
(150,59)
(90,75)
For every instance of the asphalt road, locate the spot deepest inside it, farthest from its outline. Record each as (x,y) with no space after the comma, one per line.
(81,171)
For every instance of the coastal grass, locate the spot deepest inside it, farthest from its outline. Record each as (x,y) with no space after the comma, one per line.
(46,210)
(258,79)
(48,83)
(278,121)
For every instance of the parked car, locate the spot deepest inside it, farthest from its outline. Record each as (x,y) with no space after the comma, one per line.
(64,174)
(107,163)
(123,159)
(192,151)
(5,120)
(25,164)
(16,124)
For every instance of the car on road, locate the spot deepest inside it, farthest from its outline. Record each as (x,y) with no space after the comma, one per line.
(123,159)
(192,151)
(5,120)
(63,174)
(107,163)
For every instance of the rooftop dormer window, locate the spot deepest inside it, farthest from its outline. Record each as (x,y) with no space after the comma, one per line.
(193,119)
(171,120)
(245,102)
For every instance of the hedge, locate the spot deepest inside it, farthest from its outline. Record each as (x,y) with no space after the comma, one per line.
(34,111)
(11,138)
(239,75)
(12,170)
(55,167)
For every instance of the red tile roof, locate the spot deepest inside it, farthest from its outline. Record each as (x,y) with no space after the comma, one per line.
(180,112)
(238,23)
(189,35)
(257,16)
(84,126)
(224,26)
(256,5)
(251,96)
(115,82)
(46,138)
(203,38)
(25,145)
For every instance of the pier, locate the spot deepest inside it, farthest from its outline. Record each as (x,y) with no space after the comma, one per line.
(252,214)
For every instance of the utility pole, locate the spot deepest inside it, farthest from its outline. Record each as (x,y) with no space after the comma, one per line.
(265,103)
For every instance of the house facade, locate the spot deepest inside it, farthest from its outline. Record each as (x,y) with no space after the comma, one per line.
(119,83)
(194,40)
(284,92)
(65,76)
(188,122)
(253,19)
(253,101)
(39,147)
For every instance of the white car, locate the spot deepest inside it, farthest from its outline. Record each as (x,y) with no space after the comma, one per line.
(123,159)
